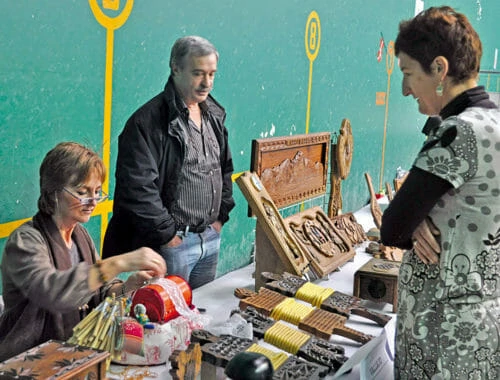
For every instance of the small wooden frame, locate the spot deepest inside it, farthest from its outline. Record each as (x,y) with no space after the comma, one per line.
(292,168)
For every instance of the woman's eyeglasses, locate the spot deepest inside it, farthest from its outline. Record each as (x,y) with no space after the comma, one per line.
(86,201)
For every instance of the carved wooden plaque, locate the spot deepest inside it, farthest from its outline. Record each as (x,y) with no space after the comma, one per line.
(327,248)
(292,168)
(282,240)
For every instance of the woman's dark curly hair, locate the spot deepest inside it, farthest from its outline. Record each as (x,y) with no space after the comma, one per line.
(441,31)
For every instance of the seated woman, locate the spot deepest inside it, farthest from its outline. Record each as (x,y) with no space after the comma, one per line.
(51,274)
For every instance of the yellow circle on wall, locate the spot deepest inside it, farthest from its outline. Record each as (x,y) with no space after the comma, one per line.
(111,22)
(312,36)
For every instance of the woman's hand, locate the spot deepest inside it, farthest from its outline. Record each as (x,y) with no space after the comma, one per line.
(426,242)
(143,259)
(138,279)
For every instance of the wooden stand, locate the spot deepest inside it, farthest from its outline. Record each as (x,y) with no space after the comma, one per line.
(266,257)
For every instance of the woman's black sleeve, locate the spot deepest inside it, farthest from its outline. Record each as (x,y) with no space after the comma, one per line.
(412,203)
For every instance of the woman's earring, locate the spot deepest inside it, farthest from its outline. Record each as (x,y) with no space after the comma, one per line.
(439,89)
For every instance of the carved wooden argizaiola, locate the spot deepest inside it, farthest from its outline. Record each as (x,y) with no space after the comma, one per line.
(219,350)
(294,286)
(313,349)
(280,241)
(349,226)
(325,246)
(318,322)
(341,165)
(305,242)
(186,364)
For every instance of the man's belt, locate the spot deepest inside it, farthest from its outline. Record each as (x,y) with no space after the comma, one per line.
(196,229)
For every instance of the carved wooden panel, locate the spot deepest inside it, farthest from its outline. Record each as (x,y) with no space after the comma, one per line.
(292,168)
(349,226)
(326,247)
(283,241)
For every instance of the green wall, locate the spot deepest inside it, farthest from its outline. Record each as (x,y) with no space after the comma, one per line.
(53,67)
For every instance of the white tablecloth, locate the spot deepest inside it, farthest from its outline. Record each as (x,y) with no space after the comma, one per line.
(218,299)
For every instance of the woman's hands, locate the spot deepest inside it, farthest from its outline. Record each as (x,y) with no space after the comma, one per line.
(146,262)
(426,242)
(143,259)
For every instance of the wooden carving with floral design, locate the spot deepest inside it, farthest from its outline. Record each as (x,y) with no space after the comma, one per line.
(341,165)
(186,364)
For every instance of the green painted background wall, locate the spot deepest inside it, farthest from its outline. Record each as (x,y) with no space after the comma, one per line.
(53,66)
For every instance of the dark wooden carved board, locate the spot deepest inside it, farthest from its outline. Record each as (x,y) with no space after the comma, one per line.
(292,168)
(56,360)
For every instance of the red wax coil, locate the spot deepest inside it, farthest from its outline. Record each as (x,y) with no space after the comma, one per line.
(160,305)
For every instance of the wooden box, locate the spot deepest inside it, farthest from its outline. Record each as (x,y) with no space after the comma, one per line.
(56,360)
(377,281)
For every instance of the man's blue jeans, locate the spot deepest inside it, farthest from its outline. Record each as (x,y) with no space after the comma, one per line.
(195,260)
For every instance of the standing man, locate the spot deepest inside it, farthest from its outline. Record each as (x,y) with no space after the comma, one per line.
(173,174)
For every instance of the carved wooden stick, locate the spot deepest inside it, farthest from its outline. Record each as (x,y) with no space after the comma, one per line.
(374,206)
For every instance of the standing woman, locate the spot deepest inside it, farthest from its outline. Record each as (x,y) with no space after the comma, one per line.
(50,273)
(447,213)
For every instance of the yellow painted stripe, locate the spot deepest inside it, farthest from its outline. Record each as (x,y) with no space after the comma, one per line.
(102,209)
(6,229)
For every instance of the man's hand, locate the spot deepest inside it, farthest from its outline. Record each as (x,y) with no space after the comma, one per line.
(176,240)
(217,226)
(425,242)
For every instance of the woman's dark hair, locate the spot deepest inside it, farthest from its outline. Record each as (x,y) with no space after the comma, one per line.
(67,164)
(441,31)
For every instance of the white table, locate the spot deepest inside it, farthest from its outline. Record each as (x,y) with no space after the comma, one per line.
(218,299)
